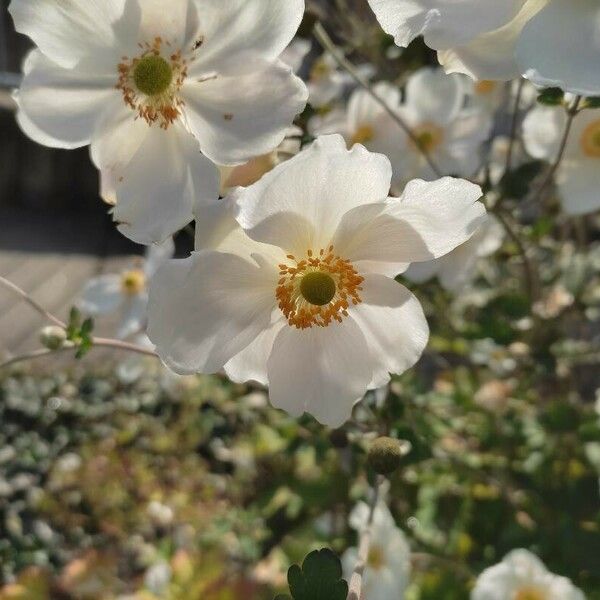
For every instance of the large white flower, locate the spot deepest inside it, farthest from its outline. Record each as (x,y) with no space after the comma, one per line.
(387,573)
(578,177)
(125,293)
(297,292)
(552,42)
(160,94)
(523,576)
(452,135)
(457,269)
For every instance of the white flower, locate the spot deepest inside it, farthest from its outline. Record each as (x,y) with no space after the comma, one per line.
(125,293)
(551,42)
(295,53)
(365,122)
(159,94)
(387,572)
(458,268)
(297,292)
(522,576)
(451,134)
(578,177)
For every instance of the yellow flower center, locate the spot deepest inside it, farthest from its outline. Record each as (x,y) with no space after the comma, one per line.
(530,593)
(133,282)
(150,83)
(318,289)
(485,87)
(152,75)
(320,70)
(590,140)
(376,558)
(429,136)
(363,135)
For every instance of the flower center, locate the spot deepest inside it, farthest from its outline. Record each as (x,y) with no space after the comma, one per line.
(529,593)
(590,140)
(429,136)
(485,87)
(150,83)
(318,289)
(321,69)
(133,282)
(152,75)
(376,558)
(363,135)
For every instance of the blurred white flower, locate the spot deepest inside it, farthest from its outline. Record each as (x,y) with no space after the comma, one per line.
(458,268)
(451,134)
(158,577)
(125,293)
(387,572)
(551,42)
(578,177)
(160,95)
(297,292)
(295,53)
(497,358)
(522,576)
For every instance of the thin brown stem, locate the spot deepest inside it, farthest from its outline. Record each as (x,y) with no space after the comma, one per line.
(355,586)
(572,112)
(27,298)
(514,126)
(327,43)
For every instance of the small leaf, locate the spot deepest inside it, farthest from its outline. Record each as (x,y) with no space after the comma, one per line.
(551,96)
(73,324)
(593,102)
(87,327)
(320,578)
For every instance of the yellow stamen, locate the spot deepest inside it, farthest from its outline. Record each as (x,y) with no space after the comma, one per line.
(376,559)
(485,87)
(530,593)
(429,135)
(318,289)
(363,135)
(590,140)
(133,282)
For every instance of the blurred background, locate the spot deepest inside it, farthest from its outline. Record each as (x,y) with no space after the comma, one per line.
(119,480)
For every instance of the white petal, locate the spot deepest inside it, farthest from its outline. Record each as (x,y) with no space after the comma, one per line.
(423,271)
(222,304)
(394,325)
(579,185)
(435,96)
(237,32)
(178,25)
(323,371)
(560,47)
(63,104)
(300,203)
(101,295)
(428,221)
(444,23)
(133,317)
(251,363)
(491,55)
(295,53)
(157,255)
(160,185)
(543,129)
(68,30)
(237,118)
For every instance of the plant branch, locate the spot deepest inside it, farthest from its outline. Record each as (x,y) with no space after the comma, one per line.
(37,307)
(572,112)
(327,43)
(355,586)
(514,126)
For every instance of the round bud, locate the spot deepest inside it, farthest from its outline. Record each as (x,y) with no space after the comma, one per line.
(385,454)
(53,337)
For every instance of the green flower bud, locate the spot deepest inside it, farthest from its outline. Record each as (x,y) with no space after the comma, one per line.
(385,454)
(53,337)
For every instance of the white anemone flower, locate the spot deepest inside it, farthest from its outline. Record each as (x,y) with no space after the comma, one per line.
(365,122)
(578,176)
(523,576)
(451,134)
(159,94)
(387,572)
(297,291)
(551,42)
(126,293)
(457,269)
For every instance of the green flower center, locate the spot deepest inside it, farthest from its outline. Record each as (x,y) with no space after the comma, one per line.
(318,288)
(152,75)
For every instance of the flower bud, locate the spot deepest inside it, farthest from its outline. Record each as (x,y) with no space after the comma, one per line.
(385,454)
(53,337)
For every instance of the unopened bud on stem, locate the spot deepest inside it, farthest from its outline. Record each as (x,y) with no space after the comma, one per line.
(386,453)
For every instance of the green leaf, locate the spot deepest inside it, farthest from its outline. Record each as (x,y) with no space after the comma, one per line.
(551,96)
(320,578)
(592,102)
(73,324)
